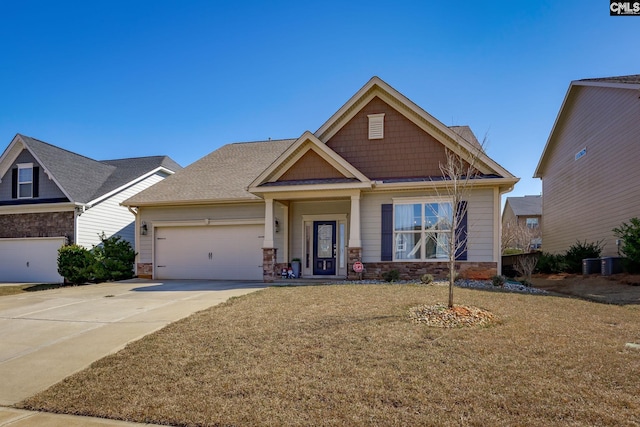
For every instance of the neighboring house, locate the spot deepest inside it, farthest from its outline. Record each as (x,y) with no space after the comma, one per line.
(363,187)
(589,166)
(50,196)
(522,214)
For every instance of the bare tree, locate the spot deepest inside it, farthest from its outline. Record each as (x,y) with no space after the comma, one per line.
(458,171)
(525,265)
(517,235)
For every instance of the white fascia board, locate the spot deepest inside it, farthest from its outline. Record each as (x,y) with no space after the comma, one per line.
(10,154)
(485,182)
(38,208)
(129,184)
(200,202)
(310,187)
(615,85)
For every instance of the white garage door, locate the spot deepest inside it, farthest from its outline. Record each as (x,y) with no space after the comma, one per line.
(224,252)
(30,260)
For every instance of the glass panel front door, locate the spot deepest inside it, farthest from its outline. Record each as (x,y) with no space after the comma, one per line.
(324,247)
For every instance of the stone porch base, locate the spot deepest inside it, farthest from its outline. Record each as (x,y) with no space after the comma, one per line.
(439,270)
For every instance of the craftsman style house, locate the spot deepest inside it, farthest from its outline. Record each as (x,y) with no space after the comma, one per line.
(589,166)
(50,196)
(366,186)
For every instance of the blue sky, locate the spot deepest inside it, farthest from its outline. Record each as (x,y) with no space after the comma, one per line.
(135,78)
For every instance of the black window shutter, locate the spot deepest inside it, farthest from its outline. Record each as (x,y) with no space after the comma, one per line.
(461,233)
(387,233)
(14,183)
(36,181)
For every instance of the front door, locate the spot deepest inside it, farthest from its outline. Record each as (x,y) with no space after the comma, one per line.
(324,247)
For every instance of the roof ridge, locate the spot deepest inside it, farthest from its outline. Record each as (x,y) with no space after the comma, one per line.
(266,140)
(60,148)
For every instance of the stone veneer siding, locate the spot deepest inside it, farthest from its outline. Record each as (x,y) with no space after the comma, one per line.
(144,270)
(354,255)
(48,224)
(439,270)
(269,264)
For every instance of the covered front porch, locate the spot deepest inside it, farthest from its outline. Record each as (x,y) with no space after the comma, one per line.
(320,229)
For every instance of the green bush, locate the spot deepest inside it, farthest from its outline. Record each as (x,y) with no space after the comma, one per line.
(114,259)
(498,280)
(75,264)
(550,263)
(391,276)
(579,251)
(426,279)
(630,235)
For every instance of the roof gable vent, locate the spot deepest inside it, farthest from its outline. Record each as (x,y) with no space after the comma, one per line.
(376,126)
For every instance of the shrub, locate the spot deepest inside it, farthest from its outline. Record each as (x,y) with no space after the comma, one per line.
(579,251)
(550,263)
(498,280)
(630,235)
(75,264)
(426,279)
(114,259)
(391,276)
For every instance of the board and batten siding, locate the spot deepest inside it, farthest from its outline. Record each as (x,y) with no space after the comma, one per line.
(110,217)
(585,199)
(481,220)
(154,216)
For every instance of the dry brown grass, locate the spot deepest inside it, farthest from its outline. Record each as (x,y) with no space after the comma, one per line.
(350,355)
(6,290)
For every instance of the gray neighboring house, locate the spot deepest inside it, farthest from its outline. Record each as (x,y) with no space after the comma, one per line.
(50,197)
(524,211)
(589,166)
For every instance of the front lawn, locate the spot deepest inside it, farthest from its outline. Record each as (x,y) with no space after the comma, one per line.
(351,355)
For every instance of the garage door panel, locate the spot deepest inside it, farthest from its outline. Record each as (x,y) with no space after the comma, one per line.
(216,252)
(30,260)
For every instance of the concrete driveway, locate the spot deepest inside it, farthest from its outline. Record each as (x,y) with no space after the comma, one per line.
(48,335)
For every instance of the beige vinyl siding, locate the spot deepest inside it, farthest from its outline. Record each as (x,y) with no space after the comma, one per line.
(199,213)
(585,199)
(109,217)
(300,208)
(480,247)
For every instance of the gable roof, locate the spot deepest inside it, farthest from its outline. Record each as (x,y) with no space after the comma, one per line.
(222,175)
(306,143)
(525,206)
(242,171)
(631,82)
(455,138)
(80,178)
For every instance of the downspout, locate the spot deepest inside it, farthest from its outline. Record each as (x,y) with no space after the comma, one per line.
(77,211)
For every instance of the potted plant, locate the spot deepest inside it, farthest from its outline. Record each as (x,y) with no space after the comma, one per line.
(295,266)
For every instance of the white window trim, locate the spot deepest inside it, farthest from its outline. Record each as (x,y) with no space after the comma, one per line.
(413,201)
(25,166)
(376,126)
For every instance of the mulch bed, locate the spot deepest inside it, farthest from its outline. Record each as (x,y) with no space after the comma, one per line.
(458,316)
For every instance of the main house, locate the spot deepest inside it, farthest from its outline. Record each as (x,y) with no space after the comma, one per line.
(366,186)
(589,166)
(50,197)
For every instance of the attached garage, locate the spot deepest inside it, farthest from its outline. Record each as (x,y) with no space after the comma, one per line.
(219,252)
(30,260)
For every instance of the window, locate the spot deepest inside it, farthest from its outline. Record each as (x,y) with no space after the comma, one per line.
(25,181)
(532,222)
(376,126)
(421,230)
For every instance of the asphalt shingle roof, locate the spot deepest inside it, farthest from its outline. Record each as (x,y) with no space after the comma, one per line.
(221,175)
(527,205)
(630,79)
(85,179)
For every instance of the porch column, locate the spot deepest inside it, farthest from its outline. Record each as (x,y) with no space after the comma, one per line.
(269,257)
(268,224)
(354,224)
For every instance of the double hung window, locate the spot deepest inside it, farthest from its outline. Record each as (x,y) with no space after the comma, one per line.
(421,230)
(25,181)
